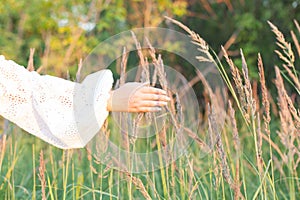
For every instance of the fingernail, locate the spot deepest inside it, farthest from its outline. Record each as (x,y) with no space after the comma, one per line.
(156,109)
(164,92)
(168,98)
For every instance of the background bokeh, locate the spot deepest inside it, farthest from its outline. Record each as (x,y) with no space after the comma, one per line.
(257,153)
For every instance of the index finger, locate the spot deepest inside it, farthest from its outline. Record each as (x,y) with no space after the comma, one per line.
(152,90)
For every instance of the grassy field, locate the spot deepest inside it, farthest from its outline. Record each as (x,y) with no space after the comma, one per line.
(256,155)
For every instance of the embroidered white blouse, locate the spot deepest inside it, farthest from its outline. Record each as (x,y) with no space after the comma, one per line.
(63,113)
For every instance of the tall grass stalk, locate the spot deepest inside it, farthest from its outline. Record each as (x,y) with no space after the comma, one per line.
(66,162)
(33,173)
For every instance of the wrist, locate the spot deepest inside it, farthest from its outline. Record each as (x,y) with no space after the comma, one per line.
(109,101)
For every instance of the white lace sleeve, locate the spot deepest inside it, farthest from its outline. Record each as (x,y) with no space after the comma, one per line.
(62,113)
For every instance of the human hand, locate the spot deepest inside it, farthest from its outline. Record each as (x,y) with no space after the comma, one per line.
(137,97)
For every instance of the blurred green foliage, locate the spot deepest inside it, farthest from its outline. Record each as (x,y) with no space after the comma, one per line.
(62,32)
(248,20)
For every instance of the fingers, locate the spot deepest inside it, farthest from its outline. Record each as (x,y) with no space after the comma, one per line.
(139,103)
(148,99)
(137,97)
(145,109)
(151,104)
(152,90)
(149,93)
(155,97)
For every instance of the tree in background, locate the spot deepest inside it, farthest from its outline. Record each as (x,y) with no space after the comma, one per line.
(62,32)
(243,24)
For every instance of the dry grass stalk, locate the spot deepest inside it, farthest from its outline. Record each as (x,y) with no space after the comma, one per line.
(154,76)
(125,137)
(163,135)
(216,169)
(151,51)
(192,180)
(175,109)
(90,159)
(288,55)
(220,148)
(179,115)
(106,133)
(278,165)
(238,84)
(123,67)
(285,115)
(296,42)
(250,104)
(207,88)
(135,180)
(124,132)
(282,57)
(159,67)
(236,142)
(42,170)
(297,25)
(236,139)
(160,71)
(204,147)
(275,147)
(103,138)
(213,97)
(265,99)
(293,77)
(204,48)
(139,50)
(136,122)
(143,62)
(255,95)
(145,76)
(293,111)
(259,158)
(289,132)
